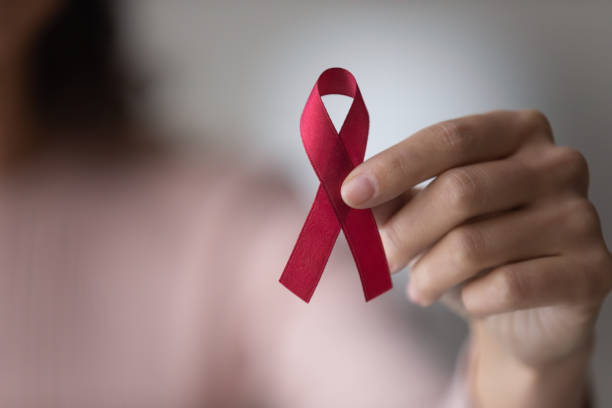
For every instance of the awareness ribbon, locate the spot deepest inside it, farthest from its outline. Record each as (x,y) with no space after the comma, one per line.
(333,155)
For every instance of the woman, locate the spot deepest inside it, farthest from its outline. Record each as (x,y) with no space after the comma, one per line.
(135,275)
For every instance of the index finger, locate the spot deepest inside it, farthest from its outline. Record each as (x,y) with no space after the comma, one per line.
(435,149)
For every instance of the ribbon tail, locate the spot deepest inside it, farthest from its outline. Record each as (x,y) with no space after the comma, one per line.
(312,249)
(364,241)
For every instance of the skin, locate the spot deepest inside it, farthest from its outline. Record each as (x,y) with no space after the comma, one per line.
(506,236)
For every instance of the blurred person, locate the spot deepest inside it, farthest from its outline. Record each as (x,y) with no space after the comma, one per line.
(137,274)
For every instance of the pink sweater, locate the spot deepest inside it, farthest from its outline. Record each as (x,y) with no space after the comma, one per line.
(155,284)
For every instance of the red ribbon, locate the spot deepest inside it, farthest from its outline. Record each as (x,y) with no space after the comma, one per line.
(333,156)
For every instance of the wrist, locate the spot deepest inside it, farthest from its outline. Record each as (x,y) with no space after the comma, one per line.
(501,380)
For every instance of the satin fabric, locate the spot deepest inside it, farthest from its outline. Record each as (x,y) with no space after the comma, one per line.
(333,155)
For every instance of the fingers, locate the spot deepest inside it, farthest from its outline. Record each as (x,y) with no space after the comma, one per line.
(471,248)
(453,198)
(536,283)
(496,250)
(438,148)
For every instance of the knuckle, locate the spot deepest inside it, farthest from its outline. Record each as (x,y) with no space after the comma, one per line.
(460,189)
(511,287)
(602,265)
(454,134)
(467,245)
(534,120)
(582,218)
(607,273)
(574,164)
(396,164)
(390,170)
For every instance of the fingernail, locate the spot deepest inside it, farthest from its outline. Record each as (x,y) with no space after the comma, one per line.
(358,189)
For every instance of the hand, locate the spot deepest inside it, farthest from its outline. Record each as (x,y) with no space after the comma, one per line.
(506,226)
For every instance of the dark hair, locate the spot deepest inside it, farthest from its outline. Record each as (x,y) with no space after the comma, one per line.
(74,71)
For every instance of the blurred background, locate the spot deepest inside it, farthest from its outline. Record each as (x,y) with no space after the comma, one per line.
(238,74)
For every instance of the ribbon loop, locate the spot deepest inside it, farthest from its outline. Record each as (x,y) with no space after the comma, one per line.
(333,155)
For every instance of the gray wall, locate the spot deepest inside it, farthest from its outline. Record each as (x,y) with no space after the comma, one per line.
(239,72)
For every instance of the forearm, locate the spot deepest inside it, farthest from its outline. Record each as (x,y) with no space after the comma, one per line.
(501,381)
